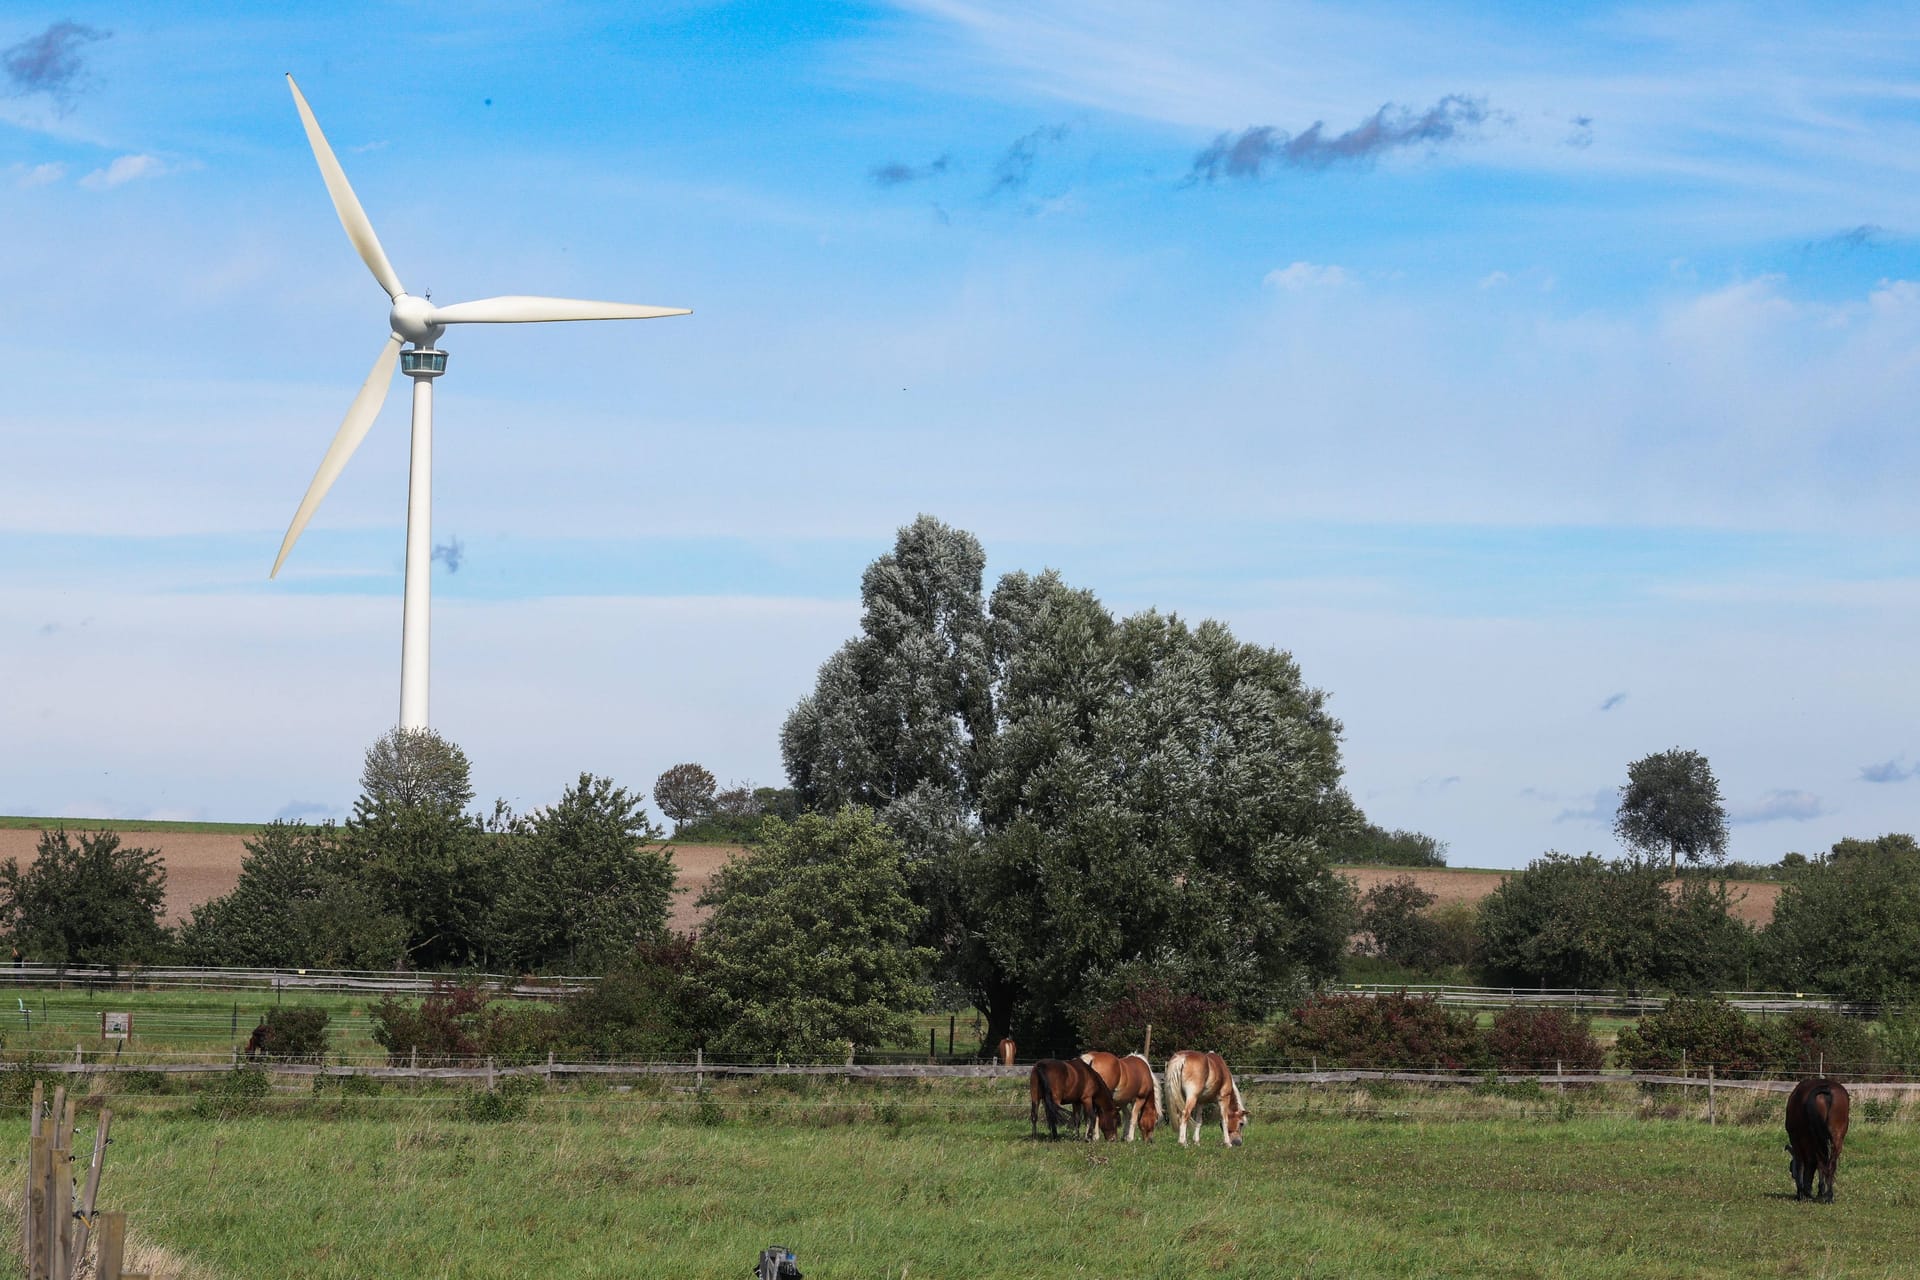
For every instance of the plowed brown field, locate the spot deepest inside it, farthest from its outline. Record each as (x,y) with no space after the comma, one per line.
(202,866)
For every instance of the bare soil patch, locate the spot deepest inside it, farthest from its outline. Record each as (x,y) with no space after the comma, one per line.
(1752,899)
(202,866)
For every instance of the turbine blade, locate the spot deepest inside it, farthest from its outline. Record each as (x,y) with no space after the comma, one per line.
(360,415)
(345,203)
(516,309)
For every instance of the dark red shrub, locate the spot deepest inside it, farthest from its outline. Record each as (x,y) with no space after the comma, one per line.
(1394,1031)
(1537,1039)
(1179,1021)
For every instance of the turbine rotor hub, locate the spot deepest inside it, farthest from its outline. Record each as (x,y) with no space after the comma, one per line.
(412,319)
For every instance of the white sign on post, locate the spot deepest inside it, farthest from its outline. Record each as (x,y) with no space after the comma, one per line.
(118,1025)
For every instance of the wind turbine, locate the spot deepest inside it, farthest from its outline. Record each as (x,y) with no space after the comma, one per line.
(419,322)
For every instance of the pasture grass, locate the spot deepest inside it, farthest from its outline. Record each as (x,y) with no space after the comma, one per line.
(166,1022)
(939,1181)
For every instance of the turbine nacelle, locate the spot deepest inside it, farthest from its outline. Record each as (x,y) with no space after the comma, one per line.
(412,319)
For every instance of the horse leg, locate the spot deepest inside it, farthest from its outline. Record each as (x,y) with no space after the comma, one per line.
(1133,1119)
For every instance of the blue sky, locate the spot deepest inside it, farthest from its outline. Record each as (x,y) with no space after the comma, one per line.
(1542,378)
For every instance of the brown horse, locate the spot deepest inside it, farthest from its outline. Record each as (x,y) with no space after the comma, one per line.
(1195,1079)
(1816,1128)
(1054,1083)
(1004,1051)
(1131,1079)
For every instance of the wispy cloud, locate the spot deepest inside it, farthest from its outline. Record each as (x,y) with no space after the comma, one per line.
(452,553)
(51,63)
(1015,169)
(1251,154)
(39,175)
(1888,771)
(1580,133)
(1600,809)
(1613,700)
(1299,276)
(123,170)
(1780,806)
(896,173)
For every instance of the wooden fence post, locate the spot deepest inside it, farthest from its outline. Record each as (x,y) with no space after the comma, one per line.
(931,1049)
(92,1191)
(1710,1117)
(113,1246)
(489,1074)
(1146,1050)
(35,1235)
(699,1074)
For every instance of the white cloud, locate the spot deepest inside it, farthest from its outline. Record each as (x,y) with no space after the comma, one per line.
(1307,275)
(39,175)
(1493,279)
(123,170)
(1780,806)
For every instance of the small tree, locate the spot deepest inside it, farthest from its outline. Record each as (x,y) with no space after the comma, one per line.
(584,881)
(1671,804)
(88,901)
(410,767)
(684,793)
(1396,930)
(809,945)
(1371,845)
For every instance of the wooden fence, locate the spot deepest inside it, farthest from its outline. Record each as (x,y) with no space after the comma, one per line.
(59,1220)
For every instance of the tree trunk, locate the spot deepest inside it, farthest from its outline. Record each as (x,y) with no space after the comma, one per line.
(998,1004)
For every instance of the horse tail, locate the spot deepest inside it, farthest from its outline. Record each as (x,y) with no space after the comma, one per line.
(1818,1102)
(1176,1078)
(1054,1115)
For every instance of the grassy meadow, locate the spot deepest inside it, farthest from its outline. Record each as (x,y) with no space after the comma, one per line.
(939,1181)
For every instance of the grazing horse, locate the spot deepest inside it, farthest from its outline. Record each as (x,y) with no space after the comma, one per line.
(1195,1079)
(1131,1079)
(257,1042)
(1816,1127)
(1004,1051)
(1053,1083)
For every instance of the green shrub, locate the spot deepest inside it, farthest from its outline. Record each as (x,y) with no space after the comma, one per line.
(507,1100)
(1536,1039)
(1387,1031)
(235,1093)
(1899,1039)
(18,1078)
(1696,1032)
(295,1033)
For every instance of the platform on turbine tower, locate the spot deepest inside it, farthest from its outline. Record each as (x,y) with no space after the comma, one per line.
(423,362)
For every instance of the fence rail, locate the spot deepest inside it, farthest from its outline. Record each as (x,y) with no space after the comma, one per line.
(1600,1001)
(368,981)
(701,1068)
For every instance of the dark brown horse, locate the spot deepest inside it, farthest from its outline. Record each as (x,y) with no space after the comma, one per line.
(1054,1083)
(1816,1128)
(257,1042)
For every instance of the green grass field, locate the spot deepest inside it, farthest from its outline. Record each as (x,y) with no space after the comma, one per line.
(943,1182)
(16,823)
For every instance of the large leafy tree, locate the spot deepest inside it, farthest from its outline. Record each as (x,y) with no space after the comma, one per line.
(423,857)
(582,882)
(1081,796)
(809,946)
(1590,923)
(1671,805)
(1849,924)
(297,902)
(85,900)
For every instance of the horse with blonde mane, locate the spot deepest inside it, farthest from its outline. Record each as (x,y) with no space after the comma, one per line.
(1195,1079)
(1131,1079)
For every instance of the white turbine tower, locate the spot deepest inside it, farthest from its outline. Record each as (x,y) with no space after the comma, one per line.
(417,321)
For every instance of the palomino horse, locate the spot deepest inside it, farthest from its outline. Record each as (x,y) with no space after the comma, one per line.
(1195,1079)
(1131,1079)
(1816,1127)
(1053,1083)
(1004,1051)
